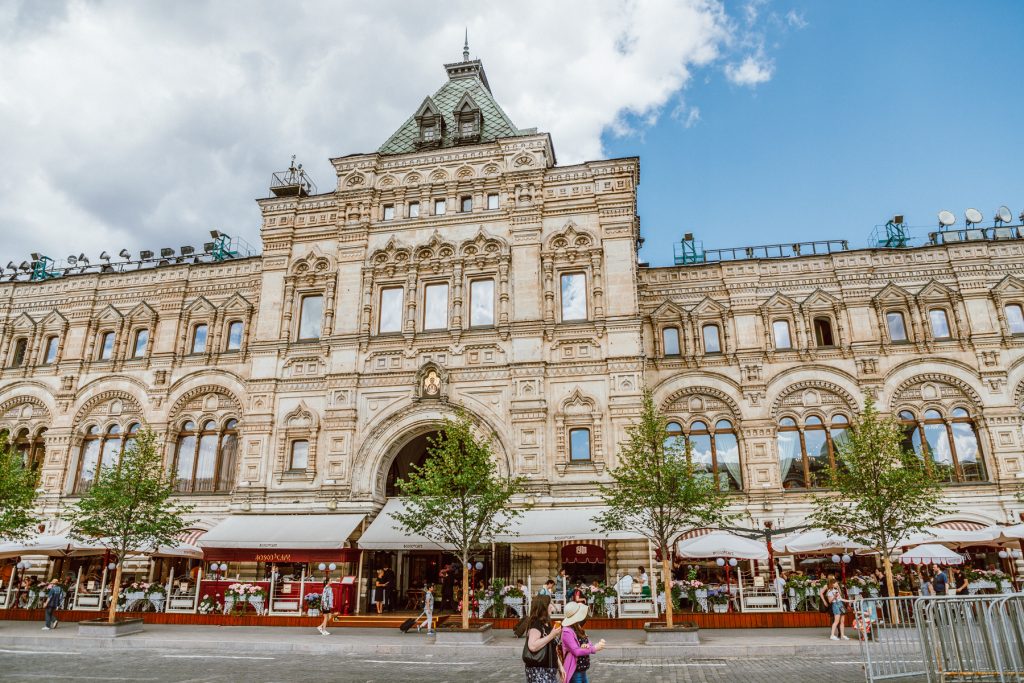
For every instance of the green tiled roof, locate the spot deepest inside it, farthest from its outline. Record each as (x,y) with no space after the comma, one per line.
(495,123)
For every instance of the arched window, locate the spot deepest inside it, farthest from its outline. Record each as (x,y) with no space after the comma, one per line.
(31,448)
(780,331)
(234,335)
(808,455)
(715,452)
(100,450)
(823,332)
(199,339)
(897,327)
(948,446)
(205,457)
(129,439)
(670,341)
(712,341)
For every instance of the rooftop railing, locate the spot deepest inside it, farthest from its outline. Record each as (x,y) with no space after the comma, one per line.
(772,251)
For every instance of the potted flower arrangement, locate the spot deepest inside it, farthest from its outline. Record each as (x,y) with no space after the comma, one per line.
(156,589)
(208,605)
(802,589)
(312,604)
(719,601)
(855,585)
(695,591)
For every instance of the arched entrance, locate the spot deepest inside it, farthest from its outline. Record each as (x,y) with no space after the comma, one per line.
(412,454)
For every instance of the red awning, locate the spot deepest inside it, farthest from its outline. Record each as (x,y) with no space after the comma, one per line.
(582,553)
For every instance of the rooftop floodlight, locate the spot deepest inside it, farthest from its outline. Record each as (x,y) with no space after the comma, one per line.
(36,256)
(166,252)
(187,250)
(215,234)
(897,219)
(83,259)
(1004,215)
(209,246)
(104,256)
(125,254)
(972,216)
(688,236)
(10,264)
(25,266)
(946,218)
(145,255)
(72,260)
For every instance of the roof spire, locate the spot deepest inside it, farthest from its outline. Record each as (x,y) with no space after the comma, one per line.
(465,47)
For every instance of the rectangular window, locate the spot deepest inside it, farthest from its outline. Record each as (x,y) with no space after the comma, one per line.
(390,310)
(897,329)
(429,133)
(492,201)
(311,317)
(780,328)
(389,212)
(481,303)
(235,335)
(711,340)
(579,444)
(199,339)
(670,340)
(1015,318)
(107,346)
(20,348)
(823,332)
(440,207)
(141,342)
(414,209)
(467,126)
(574,296)
(466,204)
(940,323)
(51,350)
(299,455)
(435,307)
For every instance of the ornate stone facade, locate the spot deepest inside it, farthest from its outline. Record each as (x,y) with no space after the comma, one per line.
(473,273)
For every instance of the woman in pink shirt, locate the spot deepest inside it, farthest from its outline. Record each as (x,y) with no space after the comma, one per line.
(576,646)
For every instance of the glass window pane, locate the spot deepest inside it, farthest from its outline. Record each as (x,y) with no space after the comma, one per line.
(723,424)
(912,440)
(966,441)
(111,453)
(1015,319)
(670,338)
(414,209)
(579,444)
(897,330)
(840,419)
(466,205)
(141,341)
(673,428)
(300,455)
(938,448)
(492,202)
(823,332)
(932,415)
(481,302)
(780,328)
(185,458)
(51,350)
(107,348)
(699,426)
(906,415)
(730,478)
(787,422)
(574,296)
(816,441)
(228,451)
(90,462)
(711,341)
(235,336)
(207,462)
(700,452)
(959,412)
(940,323)
(440,207)
(839,437)
(389,212)
(199,339)
(812,420)
(390,310)
(435,307)
(791,467)
(310,317)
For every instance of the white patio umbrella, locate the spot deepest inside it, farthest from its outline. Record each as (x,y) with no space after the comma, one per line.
(815,541)
(931,553)
(179,550)
(1010,535)
(955,538)
(722,544)
(51,546)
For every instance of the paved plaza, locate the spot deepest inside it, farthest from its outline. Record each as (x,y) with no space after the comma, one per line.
(211,653)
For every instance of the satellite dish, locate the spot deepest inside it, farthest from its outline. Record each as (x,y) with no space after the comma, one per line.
(1004,215)
(946,218)
(972,216)
(72,260)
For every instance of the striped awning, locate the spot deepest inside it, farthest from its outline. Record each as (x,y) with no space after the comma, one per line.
(191,536)
(961,525)
(695,533)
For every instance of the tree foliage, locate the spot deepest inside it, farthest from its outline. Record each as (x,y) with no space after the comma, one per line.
(458,499)
(129,509)
(17,494)
(656,491)
(883,491)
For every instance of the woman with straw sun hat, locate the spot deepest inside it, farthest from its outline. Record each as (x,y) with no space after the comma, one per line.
(576,646)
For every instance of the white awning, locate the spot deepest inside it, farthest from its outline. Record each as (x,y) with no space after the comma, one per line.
(722,544)
(956,538)
(51,546)
(292,532)
(384,533)
(815,541)
(545,525)
(931,553)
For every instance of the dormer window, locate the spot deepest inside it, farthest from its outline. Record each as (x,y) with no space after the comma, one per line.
(431,124)
(468,120)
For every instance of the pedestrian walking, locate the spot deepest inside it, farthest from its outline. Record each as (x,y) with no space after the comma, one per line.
(835,600)
(428,609)
(540,652)
(326,606)
(52,602)
(576,645)
(940,582)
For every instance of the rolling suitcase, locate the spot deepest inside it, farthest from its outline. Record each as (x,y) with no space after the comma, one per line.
(406,625)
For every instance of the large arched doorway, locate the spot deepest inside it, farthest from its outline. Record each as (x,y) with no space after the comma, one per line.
(412,454)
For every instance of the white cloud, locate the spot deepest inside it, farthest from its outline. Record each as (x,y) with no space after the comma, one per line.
(144,124)
(796,19)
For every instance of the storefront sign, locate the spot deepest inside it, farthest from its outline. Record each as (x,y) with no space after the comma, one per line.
(280,556)
(582,553)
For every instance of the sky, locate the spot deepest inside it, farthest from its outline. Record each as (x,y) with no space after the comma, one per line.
(145,124)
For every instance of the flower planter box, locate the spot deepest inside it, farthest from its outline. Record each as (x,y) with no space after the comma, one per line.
(101,628)
(685,633)
(720,609)
(474,635)
(313,612)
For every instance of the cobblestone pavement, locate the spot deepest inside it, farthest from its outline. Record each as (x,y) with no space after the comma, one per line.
(81,664)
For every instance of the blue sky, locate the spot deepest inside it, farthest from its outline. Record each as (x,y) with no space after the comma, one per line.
(873,108)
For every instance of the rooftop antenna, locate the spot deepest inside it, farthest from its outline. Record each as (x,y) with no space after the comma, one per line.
(895,233)
(465,47)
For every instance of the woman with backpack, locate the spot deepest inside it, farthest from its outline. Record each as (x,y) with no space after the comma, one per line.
(540,652)
(576,646)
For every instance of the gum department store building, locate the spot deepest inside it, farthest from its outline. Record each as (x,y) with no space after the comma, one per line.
(459,267)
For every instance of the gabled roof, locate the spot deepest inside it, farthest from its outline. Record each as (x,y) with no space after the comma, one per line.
(465,78)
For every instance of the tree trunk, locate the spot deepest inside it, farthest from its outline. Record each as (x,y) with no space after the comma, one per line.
(115,590)
(666,579)
(466,597)
(894,615)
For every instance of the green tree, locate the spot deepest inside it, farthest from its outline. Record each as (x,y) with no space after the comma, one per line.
(17,493)
(129,508)
(883,491)
(457,499)
(657,492)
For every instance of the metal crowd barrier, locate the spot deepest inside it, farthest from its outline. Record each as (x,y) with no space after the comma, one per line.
(943,638)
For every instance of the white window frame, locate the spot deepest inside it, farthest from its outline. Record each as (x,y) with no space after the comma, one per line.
(561,295)
(380,309)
